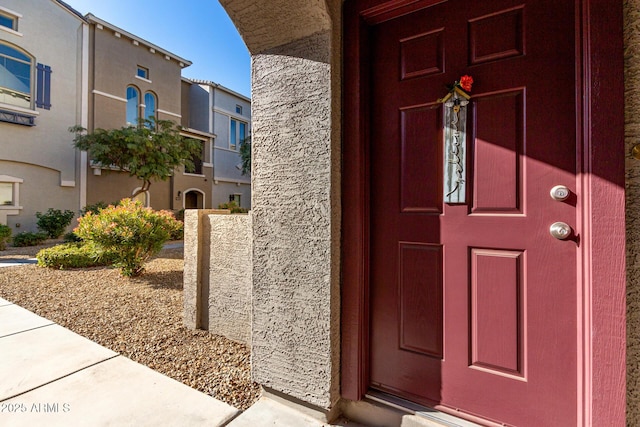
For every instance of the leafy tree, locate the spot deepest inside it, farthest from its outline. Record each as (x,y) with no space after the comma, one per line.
(150,152)
(245,155)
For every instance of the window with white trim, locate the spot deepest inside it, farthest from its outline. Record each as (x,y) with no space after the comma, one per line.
(143,72)
(15,76)
(6,194)
(9,191)
(9,19)
(136,109)
(18,88)
(133,106)
(149,105)
(237,133)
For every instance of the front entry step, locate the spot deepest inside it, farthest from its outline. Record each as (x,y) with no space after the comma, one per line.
(379,409)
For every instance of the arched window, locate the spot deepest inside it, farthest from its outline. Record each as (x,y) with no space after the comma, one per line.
(149,105)
(133,102)
(15,76)
(143,197)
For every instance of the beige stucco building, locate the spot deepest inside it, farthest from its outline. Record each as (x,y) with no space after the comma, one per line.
(130,79)
(109,79)
(44,52)
(226,114)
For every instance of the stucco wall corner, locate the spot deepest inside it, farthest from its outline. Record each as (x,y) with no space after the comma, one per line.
(191,270)
(632,170)
(295,260)
(264,25)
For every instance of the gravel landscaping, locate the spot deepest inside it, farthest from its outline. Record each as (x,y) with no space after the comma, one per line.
(140,318)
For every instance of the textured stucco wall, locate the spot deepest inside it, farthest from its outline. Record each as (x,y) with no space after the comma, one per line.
(295,193)
(217,273)
(632,137)
(229,284)
(268,24)
(199,108)
(39,192)
(295,340)
(194,245)
(223,189)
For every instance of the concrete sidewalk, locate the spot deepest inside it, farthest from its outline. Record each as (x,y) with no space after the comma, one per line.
(52,376)
(13,262)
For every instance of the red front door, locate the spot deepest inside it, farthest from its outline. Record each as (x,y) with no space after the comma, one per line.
(474,304)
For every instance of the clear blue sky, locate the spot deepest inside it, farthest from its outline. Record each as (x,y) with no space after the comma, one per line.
(197,30)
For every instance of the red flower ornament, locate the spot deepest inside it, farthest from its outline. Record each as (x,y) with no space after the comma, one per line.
(466,82)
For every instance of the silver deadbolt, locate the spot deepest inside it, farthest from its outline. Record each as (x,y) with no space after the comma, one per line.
(560,193)
(560,230)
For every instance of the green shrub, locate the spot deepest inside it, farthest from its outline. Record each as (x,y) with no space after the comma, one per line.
(233,207)
(93,208)
(54,221)
(26,238)
(71,237)
(134,233)
(178,233)
(5,235)
(74,255)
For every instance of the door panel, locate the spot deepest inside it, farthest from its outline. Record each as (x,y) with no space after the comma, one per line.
(497,310)
(473,305)
(498,152)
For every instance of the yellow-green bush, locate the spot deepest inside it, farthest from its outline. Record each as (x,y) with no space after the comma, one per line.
(74,255)
(132,232)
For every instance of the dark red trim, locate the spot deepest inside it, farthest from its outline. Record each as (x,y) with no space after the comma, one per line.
(355,229)
(392,9)
(604,251)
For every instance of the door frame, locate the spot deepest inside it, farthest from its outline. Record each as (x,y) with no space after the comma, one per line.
(601,270)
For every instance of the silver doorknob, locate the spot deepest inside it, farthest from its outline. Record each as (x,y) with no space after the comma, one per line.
(560,230)
(560,193)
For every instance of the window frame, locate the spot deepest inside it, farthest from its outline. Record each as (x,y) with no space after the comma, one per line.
(12,20)
(130,108)
(235,141)
(18,58)
(144,70)
(15,191)
(236,197)
(198,166)
(145,106)
(14,17)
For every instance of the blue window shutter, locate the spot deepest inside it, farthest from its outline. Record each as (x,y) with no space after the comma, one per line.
(43,86)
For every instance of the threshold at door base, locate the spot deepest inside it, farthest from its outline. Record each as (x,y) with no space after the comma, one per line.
(381,409)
